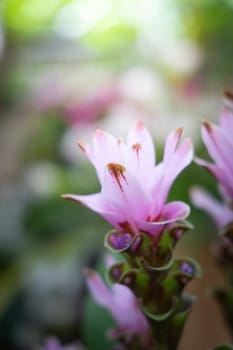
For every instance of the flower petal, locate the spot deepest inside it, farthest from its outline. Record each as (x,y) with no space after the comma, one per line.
(99,291)
(105,149)
(220,174)
(175,211)
(97,203)
(170,168)
(124,195)
(219,211)
(120,301)
(171,212)
(53,344)
(226,122)
(140,154)
(171,144)
(219,147)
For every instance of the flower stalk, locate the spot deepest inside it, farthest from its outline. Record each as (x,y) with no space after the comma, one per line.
(158,280)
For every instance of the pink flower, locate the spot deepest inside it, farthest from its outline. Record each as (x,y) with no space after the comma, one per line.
(133,189)
(53,343)
(219,211)
(123,306)
(219,143)
(93,107)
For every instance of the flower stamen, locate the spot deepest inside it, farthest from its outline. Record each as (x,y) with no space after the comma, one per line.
(117,171)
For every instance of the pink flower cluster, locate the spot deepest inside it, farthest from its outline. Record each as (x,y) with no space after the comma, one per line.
(134,189)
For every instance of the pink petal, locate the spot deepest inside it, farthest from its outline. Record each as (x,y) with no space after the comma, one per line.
(124,195)
(182,157)
(219,147)
(127,311)
(92,201)
(153,228)
(99,291)
(220,174)
(220,212)
(120,301)
(53,344)
(226,122)
(170,168)
(171,212)
(97,203)
(171,144)
(106,149)
(140,154)
(175,211)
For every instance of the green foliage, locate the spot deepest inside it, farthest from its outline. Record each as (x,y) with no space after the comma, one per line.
(95,327)
(28,17)
(210,24)
(110,37)
(96,322)
(45,140)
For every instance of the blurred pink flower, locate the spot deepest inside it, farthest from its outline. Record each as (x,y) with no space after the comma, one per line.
(220,212)
(93,107)
(53,343)
(123,306)
(133,189)
(219,143)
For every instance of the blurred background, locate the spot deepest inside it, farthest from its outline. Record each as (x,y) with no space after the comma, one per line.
(66,68)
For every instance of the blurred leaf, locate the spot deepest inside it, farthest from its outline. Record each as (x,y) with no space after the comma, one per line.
(48,218)
(209,23)
(224,347)
(109,37)
(30,16)
(45,140)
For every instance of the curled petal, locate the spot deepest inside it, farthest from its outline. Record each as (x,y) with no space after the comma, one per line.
(171,212)
(175,211)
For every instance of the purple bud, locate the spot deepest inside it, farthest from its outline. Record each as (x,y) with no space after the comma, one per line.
(187,268)
(120,241)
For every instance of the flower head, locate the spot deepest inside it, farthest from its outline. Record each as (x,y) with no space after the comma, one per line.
(219,143)
(124,307)
(133,189)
